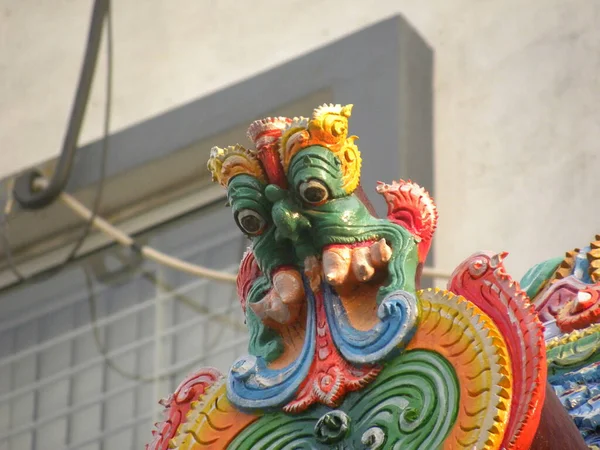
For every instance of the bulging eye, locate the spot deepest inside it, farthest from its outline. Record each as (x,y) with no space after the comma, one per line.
(313,192)
(250,222)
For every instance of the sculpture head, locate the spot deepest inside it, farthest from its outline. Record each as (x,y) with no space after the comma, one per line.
(343,350)
(293,196)
(287,194)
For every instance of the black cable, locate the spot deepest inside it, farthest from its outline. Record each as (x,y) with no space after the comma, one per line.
(102,175)
(106,136)
(24,190)
(101,347)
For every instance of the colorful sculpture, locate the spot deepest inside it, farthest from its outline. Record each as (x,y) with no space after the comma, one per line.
(345,350)
(567,290)
(566,294)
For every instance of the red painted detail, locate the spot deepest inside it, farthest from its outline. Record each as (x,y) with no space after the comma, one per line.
(483,280)
(411,206)
(330,377)
(271,162)
(265,133)
(248,272)
(556,295)
(581,312)
(178,404)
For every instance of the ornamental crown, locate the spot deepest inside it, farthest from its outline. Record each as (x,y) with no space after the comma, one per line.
(278,139)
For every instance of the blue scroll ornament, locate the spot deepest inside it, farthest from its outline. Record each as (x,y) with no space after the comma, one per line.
(251,385)
(398,313)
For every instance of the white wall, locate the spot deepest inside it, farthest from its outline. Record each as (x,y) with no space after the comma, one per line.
(516,88)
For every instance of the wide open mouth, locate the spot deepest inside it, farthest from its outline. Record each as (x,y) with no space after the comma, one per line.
(354,267)
(356,270)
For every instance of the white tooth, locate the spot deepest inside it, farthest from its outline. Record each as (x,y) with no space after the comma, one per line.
(260,308)
(380,253)
(336,264)
(583,296)
(361,264)
(278,311)
(312,270)
(288,284)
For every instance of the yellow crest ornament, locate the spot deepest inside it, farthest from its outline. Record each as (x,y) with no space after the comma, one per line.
(327,128)
(226,163)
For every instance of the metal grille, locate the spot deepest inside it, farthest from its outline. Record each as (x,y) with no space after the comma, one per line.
(73,347)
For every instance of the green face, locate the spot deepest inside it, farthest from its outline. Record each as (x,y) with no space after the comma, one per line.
(252,214)
(288,225)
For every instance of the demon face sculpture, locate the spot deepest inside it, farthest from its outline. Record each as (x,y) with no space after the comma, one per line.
(345,351)
(329,290)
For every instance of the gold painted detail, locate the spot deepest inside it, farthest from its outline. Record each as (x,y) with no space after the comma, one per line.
(593,257)
(572,337)
(226,163)
(328,128)
(471,342)
(211,423)
(566,266)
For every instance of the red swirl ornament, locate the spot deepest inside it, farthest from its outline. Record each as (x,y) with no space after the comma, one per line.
(581,312)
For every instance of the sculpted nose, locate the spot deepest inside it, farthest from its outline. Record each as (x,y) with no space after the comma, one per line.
(286,216)
(275,193)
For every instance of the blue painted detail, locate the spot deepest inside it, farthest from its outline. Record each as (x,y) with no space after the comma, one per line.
(582,265)
(579,392)
(551,330)
(398,313)
(585,375)
(251,385)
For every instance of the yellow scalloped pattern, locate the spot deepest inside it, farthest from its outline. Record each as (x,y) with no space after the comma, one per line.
(211,423)
(327,128)
(469,340)
(226,163)
(572,337)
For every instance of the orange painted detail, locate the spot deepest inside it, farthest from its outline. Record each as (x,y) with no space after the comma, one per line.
(211,423)
(178,404)
(455,328)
